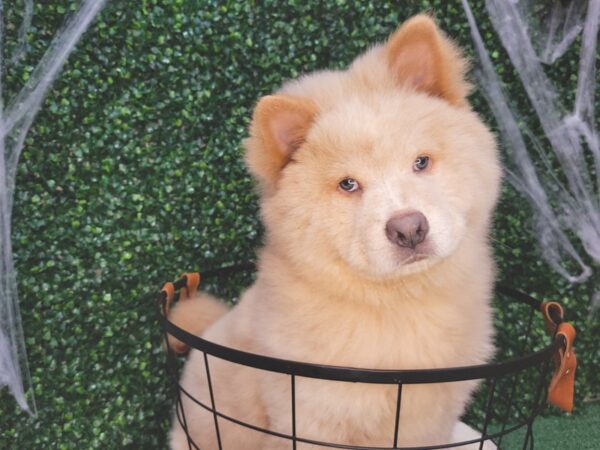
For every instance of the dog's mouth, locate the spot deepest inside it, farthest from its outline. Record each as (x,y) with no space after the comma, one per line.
(414,257)
(406,256)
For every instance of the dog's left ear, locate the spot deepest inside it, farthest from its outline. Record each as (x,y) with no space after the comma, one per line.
(279,127)
(419,55)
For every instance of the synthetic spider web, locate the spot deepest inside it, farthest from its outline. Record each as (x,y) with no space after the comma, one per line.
(566,201)
(16,117)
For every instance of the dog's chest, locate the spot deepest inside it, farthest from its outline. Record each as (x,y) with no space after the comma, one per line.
(394,338)
(413,340)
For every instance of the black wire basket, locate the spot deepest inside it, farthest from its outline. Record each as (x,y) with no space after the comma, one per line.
(513,389)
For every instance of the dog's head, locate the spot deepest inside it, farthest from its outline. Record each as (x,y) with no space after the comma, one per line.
(383,167)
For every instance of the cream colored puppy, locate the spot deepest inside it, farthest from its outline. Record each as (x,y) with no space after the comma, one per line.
(377,188)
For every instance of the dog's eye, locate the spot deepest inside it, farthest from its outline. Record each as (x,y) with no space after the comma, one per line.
(421,163)
(349,185)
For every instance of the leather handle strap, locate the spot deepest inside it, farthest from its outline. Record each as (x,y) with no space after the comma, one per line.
(553,313)
(562,384)
(187,291)
(168,291)
(192,282)
(188,284)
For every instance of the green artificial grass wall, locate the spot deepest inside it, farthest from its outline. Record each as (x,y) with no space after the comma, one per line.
(132,173)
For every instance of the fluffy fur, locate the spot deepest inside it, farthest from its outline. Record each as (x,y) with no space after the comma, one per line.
(331,287)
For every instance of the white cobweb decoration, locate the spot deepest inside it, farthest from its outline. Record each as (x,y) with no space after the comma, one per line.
(16,117)
(567,202)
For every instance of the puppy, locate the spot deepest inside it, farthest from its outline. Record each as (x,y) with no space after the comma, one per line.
(377,188)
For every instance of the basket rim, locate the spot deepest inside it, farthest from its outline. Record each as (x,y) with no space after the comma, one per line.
(365,375)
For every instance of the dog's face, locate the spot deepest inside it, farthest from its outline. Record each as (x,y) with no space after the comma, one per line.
(381,168)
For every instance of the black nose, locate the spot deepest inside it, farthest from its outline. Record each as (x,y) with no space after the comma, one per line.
(407,229)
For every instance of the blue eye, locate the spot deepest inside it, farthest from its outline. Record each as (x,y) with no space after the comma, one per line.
(349,185)
(421,163)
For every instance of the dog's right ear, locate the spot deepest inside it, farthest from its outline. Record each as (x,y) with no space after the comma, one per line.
(279,127)
(421,56)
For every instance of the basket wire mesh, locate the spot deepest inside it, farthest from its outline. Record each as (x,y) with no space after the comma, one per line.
(510,397)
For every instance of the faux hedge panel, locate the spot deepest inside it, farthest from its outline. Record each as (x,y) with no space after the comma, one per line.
(132,173)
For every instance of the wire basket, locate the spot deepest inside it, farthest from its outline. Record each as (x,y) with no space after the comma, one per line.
(512,393)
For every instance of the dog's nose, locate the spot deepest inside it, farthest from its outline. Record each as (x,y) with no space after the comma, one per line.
(407,229)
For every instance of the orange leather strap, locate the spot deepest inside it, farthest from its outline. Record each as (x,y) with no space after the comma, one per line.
(169,290)
(192,281)
(562,385)
(553,313)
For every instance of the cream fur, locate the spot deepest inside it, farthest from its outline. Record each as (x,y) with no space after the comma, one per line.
(331,288)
